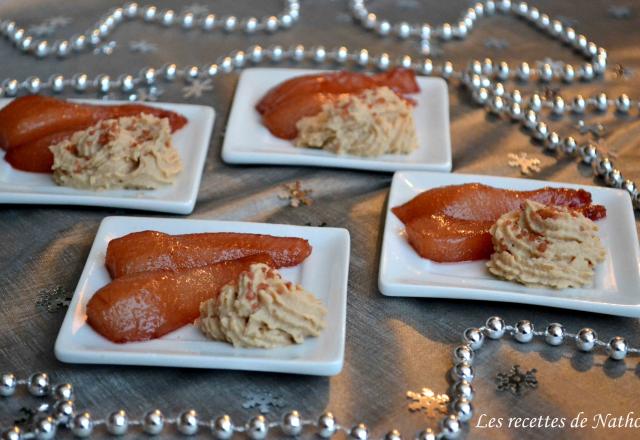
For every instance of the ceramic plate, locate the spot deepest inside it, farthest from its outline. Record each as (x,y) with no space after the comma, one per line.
(324,273)
(248,141)
(616,288)
(192,142)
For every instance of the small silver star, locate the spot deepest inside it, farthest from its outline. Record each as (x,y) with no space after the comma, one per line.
(196,9)
(596,130)
(496,43)
(196,88)
(146,94)
(106,48)
(619,11)
(142,46)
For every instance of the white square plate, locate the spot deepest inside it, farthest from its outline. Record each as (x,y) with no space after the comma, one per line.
(324,273)
(192,142)
(616,288)
(248,141)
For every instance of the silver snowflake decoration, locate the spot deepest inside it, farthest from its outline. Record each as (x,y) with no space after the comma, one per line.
(619,11)
(428,402)
(146,94)
(105,48)
(517,381)
(196,88)
(597,130)
(142,46)
(263,401)
(53,299)
(196,9)
(526,164)
(496,43)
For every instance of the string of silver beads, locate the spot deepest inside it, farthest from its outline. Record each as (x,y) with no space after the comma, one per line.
(97,34)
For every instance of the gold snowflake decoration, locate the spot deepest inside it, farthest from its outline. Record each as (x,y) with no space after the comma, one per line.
(526,164)
(296,194)
(432,404)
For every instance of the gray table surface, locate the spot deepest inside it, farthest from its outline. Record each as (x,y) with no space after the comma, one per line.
(393,344)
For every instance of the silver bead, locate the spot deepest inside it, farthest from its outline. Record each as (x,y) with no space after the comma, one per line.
(481,96)
(462,408)
(327,425)
(383,62)
(515,111)
(292,424)
(362,59)
(82,425)
(130,10)
(490,7)
(497,89)
(297,53)
(462,388)
(475,67)
(168,17)
(630,187)
(187,20)
(239,58)
(103,83)
(426,68)
(319,54)
(148,75)
(581,42)
(359,432)
(601,102)
(556,28)
(558,105)
(473,81)
(341,55)
(586,339)
(523,331)
(226,65)
(187,422)
(545,72)
(169,72)
(78,42)
(271,24)
(495,327)
(446,32)
(14,433)
(26,43)
(209,22)
(617,348)
(592,49)
(212,70)
(460,30)
(554,334)
(450,427)
(394,434)
(614,179)
(535,103)
(623,104)
(276,53)
(62,48)
(579,105)
(462,370)
(496,105)
(33,84)
(474,337)
(523,72)
(602,167)
(286,20)
(153,422)
(530,119)
(504,5)
(250,25)
(599,65)
(42,49)
(257,428)
(63,410)
(230,23)
(425,32)
(586,72)
(446,70)
(463,353)
(149,13)
(18,35)
(370,21)
(426,434)
(38,384)
(256,53)
(8,383)
(569,145)
(568,73)
(127,83)
(487,67)
(588,152)
(383,28)
(45,428)
(502,71)
(63,391)
(117,423)
(403,30)
(405,62)
(541,131)
(222,428)
(569,35)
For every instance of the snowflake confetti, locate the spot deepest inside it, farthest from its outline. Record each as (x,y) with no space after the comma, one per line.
(496,43)
(619,11)
(142,46)
(264,402)
(516,381)
(59,21)
(526,164)
(196,9)
(146,94)
(53,299)
(49,26)
(597,130)
(428,402)
(196,88)
(621,72)
(296,194)
(106,48)
(549,93)
(427,48)
(556,65)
